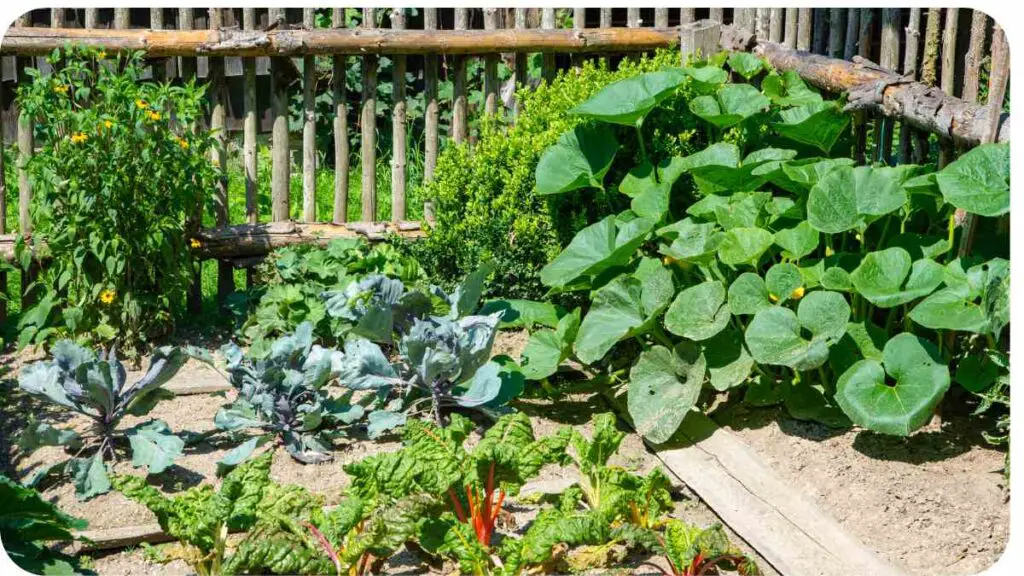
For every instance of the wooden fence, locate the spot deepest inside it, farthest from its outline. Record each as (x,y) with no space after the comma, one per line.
(240,48)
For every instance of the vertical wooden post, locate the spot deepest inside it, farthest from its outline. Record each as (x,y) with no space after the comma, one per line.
(3,215)
(398,152)
(836,28)
(699,40)
(121,17)
(743,18)
(803,34)
(889,57)
(762,17)
(789,36)
(972,59)
(860,126)
(579,22)
(431,113)
(219,156)
(460,120)
(341,146)
(308,126)
(717,14)
(930,58)
(547,22)
(605,14)
(188,71)
(686,15)
(948,75)
(775,25)
(368,119)
(249,126)
(632,17)
(910,70)
(491,67)
(280,178)
(852,27)
(520,65)
(156,22)
(57,18)
(996,93)
(661,17)
(820,30)
(91,13)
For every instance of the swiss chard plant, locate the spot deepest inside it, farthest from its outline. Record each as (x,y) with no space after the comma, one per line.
(295,279)
(769,260)
(441,360)
(692,551)
(28,524)
(96,387)
(283,398)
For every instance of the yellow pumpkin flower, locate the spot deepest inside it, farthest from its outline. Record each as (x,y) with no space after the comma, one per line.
(154,116)
(79,137)
(828,251)
(798,293)
(195,243)
(773,297)
(140,104)
(107,296)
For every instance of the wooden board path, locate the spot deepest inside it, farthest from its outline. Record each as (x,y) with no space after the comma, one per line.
(787,529)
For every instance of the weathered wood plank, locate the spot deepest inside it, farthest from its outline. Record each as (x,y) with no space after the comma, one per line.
(219,154)
(803,35)
(547,67)
(490,67)
(398,129)
(431,114)
(521,57)
(791,28)
(246,240)
(249,126)
(368,121)
(308,127)
(460,102)
(280,180)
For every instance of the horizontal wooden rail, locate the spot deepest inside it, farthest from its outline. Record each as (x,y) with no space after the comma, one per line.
(41,41)
(255,240)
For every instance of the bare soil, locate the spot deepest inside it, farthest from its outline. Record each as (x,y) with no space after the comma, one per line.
(935,503)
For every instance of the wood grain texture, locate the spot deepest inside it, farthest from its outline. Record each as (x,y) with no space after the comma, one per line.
(398,127)
(280,178)
(308,127)
(368,123)
(249,125)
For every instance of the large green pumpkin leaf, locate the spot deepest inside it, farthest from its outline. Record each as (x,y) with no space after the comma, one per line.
(801,175)
(898,407)
(774,335)
(706,79)
(979,181)
(691,242)
(887,278)
(623,308)
(698,312)
(748,294)
(782,280)
(729,363)
(663,387)
(973,301)
(789,89)
(732,104)
(818,124)
(846,198)
(744,246)
(745,64)
(580,159)
(547,349)
(798,241)
(629,100)
(596,248)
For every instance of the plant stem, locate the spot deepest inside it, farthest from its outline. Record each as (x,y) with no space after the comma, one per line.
(643,149)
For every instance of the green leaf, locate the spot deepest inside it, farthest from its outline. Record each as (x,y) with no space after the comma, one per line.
(240,453)
(868,395)
(949,310)
(729,363)
(745,64)
(691,242)
(807,401)
(798,241)
(154,446)
(619,310)
(706,79)
(789,89)
(863,340)
(580,159)
(732,104)
(748,294)
(818,124)
(774,335)
(887,278)
(522,313)
(629,100)
(782,280)
(744,246)
(90,476)
(846,198)
(976,373)
(979,181)
(698,312)
(835,278)
(38,433)
(663,387)
(596,248)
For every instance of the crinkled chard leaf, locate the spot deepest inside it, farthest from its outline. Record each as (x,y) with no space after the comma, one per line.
(898,394)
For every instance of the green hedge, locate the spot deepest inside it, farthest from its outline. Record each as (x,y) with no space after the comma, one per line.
(484,200)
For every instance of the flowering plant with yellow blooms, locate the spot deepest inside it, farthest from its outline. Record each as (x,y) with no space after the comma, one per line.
(113,185)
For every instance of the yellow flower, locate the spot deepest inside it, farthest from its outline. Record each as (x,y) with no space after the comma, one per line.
(773,297)
(101,55)
(61,88)
(79,137)
(183,143)
(828,251)
(108,124)
(107,296)
(140,104)
(154,116)
(195,243)
(798,293)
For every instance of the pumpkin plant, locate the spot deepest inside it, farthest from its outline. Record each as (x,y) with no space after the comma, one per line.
(761,261)
(95,386)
